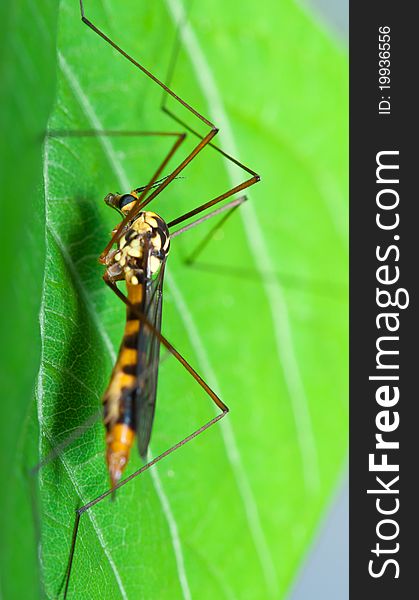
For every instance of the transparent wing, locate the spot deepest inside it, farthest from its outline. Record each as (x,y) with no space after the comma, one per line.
(148,362)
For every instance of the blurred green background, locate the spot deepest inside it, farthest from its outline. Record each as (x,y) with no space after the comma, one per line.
(262,316)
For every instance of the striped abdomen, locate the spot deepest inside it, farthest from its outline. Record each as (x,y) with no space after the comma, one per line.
(119,398)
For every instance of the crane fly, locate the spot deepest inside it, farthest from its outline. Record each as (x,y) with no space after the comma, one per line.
(137,254)
(129,401)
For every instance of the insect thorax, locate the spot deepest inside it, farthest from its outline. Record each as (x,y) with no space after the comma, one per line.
(148,233)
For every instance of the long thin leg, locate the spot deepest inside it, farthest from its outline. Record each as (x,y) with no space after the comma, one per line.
(140,202)
(238,188)
(167,344)
(254,176)
(207,138)
(228,208)
(72,550)
(198,379)
(78,431)
(137,133)
(83,509)
(59,448)
(169,79)
(204,140)
(216,200)
(245,184)
(58,133)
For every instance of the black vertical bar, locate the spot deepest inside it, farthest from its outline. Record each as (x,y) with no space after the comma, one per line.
(389,128)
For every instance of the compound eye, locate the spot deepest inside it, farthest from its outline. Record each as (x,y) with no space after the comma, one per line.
(125,200)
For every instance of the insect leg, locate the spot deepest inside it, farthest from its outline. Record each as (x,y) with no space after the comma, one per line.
(228,208)
(141,199)
(167,344)
(58,133)
(238,188)
(254,176)
(204,139)
(86,507)
(72,550)
(59,448)
(194,434)
(138,205)
(141,202)
(78,432)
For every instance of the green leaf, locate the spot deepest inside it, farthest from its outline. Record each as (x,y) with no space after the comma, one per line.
(27,83)
(262,315)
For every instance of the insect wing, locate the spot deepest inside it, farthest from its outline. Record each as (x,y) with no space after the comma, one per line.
(148,362)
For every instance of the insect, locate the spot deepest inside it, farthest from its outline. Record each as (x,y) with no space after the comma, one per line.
(137,254)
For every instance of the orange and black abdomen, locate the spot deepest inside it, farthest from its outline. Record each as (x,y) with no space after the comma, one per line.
(119,398)
(139,257)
